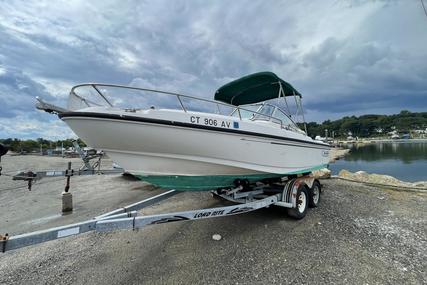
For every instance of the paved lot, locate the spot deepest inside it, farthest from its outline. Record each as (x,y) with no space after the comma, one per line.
(358,235)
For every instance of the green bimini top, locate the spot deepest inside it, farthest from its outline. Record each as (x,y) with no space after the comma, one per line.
(254,88)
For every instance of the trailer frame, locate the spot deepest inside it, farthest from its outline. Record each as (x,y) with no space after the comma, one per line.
(247,199)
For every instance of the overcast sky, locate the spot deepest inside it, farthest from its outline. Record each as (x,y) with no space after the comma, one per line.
(345,57)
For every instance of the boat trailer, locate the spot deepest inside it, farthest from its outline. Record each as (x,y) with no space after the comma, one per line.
(91,166)
(296,193)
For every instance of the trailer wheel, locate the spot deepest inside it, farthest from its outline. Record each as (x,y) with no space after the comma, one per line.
(314,194)
(302,204)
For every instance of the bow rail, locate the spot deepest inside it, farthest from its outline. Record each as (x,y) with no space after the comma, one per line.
(109,95)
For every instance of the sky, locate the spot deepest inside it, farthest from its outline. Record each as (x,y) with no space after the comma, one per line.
(345,57)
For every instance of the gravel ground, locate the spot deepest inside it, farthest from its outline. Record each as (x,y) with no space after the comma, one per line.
(358,235)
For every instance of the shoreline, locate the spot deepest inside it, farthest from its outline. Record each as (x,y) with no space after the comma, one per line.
(378,140)
(402,187)
(373,179)
(337,153)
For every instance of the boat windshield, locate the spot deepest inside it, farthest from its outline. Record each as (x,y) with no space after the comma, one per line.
(272,113)
(266,112)
(280,117)
(246,111)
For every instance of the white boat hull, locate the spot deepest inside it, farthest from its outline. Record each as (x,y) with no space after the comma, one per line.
(150,148)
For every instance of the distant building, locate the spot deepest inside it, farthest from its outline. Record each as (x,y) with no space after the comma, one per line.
(420,131)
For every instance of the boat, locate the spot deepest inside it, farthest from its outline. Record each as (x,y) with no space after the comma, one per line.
(183,142)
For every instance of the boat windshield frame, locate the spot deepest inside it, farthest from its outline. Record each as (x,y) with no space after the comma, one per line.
(258,115)
(254,117)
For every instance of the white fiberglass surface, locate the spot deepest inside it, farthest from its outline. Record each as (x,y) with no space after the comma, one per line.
(171,149)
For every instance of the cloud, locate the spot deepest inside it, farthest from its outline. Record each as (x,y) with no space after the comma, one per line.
(344,56)
(371,76)
(18,92)
(35,126)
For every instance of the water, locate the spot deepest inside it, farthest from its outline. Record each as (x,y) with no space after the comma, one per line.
(405,160)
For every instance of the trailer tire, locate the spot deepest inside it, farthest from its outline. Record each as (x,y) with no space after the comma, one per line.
(314,194)
(300,210)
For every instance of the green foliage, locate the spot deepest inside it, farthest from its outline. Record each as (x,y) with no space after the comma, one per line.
(370,125)
(18,145)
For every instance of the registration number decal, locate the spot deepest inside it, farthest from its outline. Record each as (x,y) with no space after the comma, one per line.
(213,122)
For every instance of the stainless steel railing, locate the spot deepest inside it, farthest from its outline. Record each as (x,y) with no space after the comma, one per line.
(236,109)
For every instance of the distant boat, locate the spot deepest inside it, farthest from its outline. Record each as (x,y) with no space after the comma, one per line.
(320,139)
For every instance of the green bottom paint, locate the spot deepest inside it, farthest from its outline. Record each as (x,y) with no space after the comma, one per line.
(206,183)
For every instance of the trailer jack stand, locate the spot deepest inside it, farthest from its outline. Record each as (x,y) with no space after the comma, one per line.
(67,197)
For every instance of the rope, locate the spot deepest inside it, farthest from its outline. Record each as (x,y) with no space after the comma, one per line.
(392,187)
